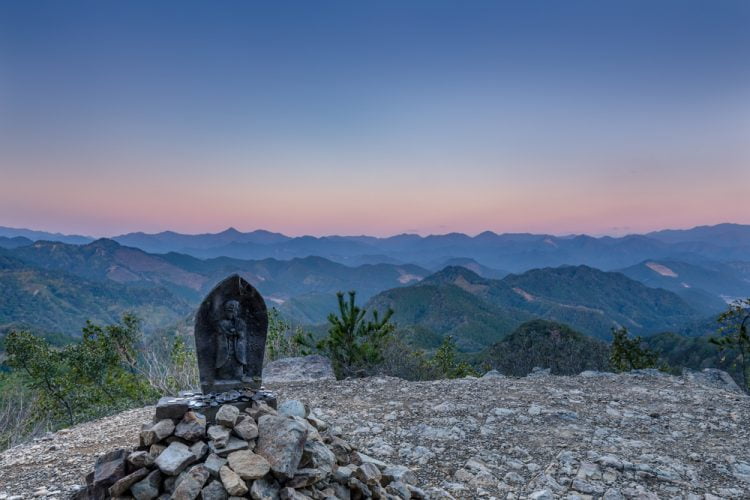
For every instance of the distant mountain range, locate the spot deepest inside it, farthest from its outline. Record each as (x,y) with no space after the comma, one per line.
(510,252)
(478,311)
(478,289)
(77,282)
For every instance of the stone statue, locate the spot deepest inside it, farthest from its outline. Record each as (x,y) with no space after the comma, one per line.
(231,343)
(230,336)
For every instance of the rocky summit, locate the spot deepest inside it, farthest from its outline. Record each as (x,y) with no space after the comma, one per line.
(595,435)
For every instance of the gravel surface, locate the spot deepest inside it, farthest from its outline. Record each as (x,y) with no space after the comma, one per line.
(589,436)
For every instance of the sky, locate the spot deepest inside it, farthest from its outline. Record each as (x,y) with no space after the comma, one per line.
(374,117)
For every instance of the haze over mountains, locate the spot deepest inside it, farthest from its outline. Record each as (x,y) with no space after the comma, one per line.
(477,289)
(477,311)
(510,252)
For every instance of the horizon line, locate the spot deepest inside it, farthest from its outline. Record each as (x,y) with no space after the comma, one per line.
(364,235)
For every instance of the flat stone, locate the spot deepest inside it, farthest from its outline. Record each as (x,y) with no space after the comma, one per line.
(541,495)
(368,473)
(147,488)
(192,427)
(214,490)
(263,489)
(268,397)
(292,408)
(157,432)
(156,449)
(171,407)
(139,459)
(174,459)
(260,408)
(227,415)
(219,435)
(248,465)
(199,450)
(124,484)
(305,477)
(398,473)
(281,441)
(300,369)
(109,469)
(213,463)
(493,374)
(366,459)
(342,473)
(246,428)
(191,484)
(359,488)
(399,489)
(234,444)
(292,494)
(317,455)
(232,482)
(317,423)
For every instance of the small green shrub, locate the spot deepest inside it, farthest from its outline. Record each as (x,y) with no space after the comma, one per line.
(630,354)
(283,340)
(354,344)
(95,377)
(446,363)
(734,337)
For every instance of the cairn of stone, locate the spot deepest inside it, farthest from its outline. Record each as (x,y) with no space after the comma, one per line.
(264,453)
(232,440)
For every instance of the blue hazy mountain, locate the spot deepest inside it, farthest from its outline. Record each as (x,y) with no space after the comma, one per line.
(510,252)
(14,242)
(30,234)
(478,311)
(707,282)
(107,268)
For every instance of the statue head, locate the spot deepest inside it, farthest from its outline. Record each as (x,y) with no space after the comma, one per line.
(231,309)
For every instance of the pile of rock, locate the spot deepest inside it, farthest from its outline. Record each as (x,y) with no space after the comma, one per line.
(262,453)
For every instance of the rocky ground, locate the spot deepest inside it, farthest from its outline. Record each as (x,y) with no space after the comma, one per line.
(589,436)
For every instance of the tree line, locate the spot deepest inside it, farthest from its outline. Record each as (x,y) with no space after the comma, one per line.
(45,387)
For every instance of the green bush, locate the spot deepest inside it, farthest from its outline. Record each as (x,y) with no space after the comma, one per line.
(97,376)
(630,354)
(354,344)
(734,337)
(282,340)
(446,364)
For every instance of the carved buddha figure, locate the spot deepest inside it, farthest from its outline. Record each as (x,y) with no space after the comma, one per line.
(231,338)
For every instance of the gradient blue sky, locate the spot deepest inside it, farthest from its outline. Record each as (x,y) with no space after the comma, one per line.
(374,117)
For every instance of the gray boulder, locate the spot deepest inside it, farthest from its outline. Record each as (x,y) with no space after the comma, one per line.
(538,371)
(157,432)
(293,408)
(281,441)
(317,455)
(248,465)
(192,427)
(175,458)
(302,369)
(123,485)
(214,491)
(191,484)
(148,488)
(214,463)
(227,415)
(109,469)
(246,428)
(713,378)
(264,490)
(233,445)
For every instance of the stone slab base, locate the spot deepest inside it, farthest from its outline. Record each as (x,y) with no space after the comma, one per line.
(174,407)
